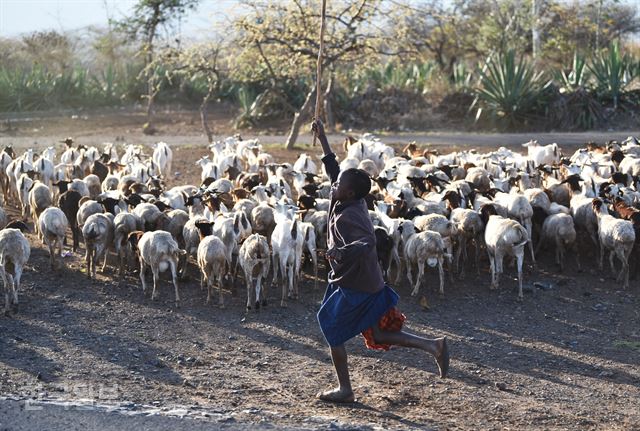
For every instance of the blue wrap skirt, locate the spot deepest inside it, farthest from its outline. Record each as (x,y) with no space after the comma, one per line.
(345,313)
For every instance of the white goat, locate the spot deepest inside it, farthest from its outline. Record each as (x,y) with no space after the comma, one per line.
(14,254)
(53,225)
(24,185)
(163,158)
(286,243)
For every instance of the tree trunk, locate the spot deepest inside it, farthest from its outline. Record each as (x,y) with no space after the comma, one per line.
(298,117)
(330,123)
(535,32)
(203,116)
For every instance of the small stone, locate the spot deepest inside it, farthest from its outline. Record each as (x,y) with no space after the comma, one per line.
(501,386)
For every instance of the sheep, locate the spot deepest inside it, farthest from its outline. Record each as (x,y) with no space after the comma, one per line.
(519,208)
(177,220)
(559,230)
(585,220)
(80,186)
(212,260)
(479,178)
(425,247)
(149,213)
(68,202)
(39,199)
(110,183)
(14,254)
(159,251)
(254,260)
(263,220)
(617,236)
(94,185)
(52,225)
(123,225)
(503,237)
(163,158)
(98,237)
(87,208)
(469,227)
(438,223)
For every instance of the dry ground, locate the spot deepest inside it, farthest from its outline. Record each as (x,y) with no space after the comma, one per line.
(565,358)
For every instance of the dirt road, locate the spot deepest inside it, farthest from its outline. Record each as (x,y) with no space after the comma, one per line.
(565,358)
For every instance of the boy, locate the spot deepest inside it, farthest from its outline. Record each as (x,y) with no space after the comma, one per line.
(357,300)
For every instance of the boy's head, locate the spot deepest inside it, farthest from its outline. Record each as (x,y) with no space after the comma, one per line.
(352,184)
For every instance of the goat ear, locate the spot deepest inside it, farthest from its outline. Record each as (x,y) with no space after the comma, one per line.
(294,230)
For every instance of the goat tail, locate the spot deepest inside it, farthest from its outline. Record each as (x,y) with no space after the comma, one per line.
(92,233)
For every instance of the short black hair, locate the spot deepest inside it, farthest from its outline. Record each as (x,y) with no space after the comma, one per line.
(358,180)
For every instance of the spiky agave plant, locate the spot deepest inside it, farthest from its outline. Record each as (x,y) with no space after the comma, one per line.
(611,70)
(509,89)
(576,77)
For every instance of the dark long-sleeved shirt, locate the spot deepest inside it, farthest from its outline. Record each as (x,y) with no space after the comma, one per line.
(350,231)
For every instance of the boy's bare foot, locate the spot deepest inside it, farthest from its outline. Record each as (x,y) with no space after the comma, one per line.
(337,396)
(442,357)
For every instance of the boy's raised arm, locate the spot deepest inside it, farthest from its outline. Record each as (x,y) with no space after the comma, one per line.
(329,158)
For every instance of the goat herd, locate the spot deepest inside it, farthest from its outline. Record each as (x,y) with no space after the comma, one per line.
(427,208)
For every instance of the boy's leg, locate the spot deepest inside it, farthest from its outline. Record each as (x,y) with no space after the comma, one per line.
(437,348)
(343,393)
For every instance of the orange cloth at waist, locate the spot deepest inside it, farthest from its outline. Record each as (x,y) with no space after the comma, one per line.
(391,321)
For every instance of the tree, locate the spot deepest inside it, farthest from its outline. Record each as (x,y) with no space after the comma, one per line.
(429,30)
(280,43)
(198,62)
(148,17)
(50,49)
(585,27)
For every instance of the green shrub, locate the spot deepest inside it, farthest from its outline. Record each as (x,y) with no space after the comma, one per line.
(611,70)
(510,90)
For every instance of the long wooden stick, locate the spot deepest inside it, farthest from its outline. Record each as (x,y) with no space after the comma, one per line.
(319,66)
